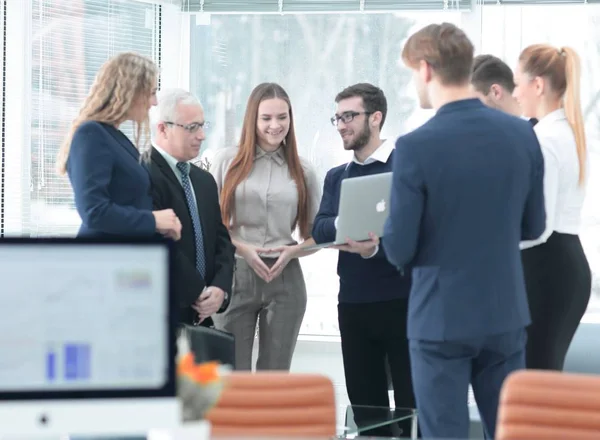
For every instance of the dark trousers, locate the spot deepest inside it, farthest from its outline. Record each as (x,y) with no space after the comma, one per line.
(559,284)
(442,372)
(373,334)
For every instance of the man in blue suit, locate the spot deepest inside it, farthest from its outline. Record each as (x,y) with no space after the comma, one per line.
(467,187)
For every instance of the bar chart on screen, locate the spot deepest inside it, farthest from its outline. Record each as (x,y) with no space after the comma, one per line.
(71,362)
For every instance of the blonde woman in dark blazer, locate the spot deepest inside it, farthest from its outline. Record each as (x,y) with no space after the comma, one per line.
(111,186)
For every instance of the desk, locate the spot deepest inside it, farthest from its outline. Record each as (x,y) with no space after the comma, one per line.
(360,419)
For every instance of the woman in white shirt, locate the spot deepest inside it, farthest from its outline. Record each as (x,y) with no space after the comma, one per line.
(557,273)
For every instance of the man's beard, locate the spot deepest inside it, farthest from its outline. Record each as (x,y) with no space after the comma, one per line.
(362,139)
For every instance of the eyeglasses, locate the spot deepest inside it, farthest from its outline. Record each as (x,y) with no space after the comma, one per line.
(191,128)
(346,117)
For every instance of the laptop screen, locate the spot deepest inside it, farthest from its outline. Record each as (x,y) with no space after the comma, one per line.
(78,316)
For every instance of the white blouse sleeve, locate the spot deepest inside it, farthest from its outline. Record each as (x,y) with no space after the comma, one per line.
(551,188)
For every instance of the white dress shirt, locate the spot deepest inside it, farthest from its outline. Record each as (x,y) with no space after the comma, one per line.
(563,194)
(381,154)
(172,162)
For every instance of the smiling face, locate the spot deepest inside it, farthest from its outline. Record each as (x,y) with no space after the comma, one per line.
(528,92)
(273,123)
(356,132)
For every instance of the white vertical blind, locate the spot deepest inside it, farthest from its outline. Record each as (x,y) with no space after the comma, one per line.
(71,40)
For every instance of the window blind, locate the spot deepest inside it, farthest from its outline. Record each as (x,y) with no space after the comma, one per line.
(311,6)
(71,40)
(537,2)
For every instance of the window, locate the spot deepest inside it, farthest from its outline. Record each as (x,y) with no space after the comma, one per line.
(3,111)
(71,40)
(561,25)
(313,56)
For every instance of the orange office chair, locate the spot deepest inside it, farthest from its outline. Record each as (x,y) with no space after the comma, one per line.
(274,404)
(549,405)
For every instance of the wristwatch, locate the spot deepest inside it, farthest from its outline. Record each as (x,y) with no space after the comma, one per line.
(225,302)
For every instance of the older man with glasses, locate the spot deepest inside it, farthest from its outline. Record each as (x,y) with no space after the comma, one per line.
(203,272)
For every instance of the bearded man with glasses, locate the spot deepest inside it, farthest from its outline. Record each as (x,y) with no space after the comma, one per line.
(373,296)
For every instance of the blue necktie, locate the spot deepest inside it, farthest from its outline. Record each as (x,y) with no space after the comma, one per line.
(184,169)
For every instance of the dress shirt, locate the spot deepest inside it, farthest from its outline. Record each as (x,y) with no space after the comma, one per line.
(173,165)
(563,194)
(381,154)
(266,203)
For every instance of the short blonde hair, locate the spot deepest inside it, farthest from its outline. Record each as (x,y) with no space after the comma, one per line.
(118,85)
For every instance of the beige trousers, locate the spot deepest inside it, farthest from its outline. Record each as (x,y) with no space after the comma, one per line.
(278,307)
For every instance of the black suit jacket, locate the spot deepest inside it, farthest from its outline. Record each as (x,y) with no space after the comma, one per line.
(167,193)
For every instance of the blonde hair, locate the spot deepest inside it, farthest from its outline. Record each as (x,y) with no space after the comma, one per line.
(120,82)
(561,68)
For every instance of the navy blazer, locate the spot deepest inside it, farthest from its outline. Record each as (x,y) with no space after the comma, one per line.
(467,188)
(111,187)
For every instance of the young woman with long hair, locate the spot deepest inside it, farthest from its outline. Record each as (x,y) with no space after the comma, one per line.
(267,193)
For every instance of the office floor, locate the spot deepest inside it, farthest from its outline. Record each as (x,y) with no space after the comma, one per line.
(324,356)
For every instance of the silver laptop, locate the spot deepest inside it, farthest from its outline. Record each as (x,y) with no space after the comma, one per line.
(364,206)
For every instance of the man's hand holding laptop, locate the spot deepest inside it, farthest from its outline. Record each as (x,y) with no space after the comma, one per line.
(366,248)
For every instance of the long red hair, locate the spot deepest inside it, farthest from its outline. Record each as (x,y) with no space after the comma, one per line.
(242,163)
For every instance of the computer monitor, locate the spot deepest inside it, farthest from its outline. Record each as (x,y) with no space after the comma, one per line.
(87,337)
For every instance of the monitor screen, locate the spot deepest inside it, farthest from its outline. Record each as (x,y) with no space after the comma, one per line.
(83,316)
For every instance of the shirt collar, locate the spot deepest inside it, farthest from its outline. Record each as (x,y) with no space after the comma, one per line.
(551,117)
(381,154)
(171,161)
(277,155)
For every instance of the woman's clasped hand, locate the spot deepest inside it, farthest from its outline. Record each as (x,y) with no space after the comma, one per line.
(167,223)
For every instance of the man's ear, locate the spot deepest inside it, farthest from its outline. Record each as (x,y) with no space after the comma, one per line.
(376,118)
(425,71)
(496,91)
(161,128)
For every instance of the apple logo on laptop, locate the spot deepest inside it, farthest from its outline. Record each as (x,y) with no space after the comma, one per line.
(380,206)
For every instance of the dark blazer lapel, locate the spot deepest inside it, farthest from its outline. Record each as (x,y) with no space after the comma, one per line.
(164,167)
(127,144)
